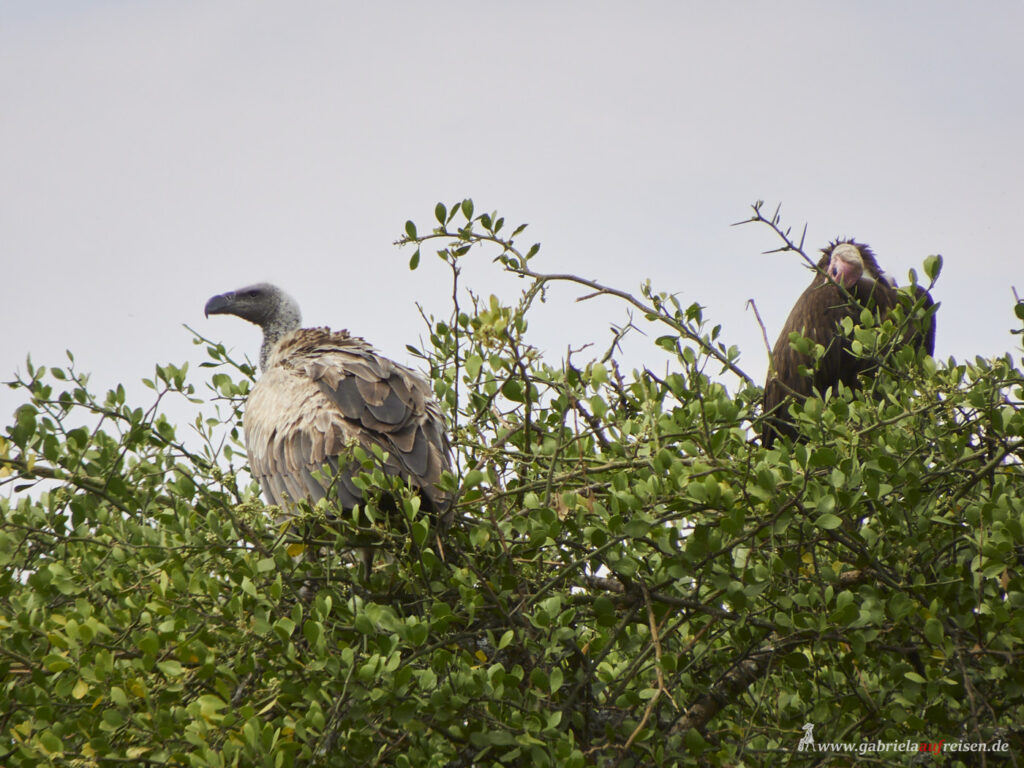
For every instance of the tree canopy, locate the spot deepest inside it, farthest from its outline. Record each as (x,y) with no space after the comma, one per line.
(631,578)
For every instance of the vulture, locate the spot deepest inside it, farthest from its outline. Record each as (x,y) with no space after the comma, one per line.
(320,393)
(846,280)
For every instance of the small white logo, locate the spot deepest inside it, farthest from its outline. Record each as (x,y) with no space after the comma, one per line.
(808,739)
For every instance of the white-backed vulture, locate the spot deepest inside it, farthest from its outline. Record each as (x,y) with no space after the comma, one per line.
(321,392)
(847,279)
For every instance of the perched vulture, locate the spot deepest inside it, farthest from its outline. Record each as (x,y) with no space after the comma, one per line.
(321,392)
(846,280)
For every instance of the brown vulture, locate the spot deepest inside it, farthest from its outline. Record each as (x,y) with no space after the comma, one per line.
(846,280)
(322,392)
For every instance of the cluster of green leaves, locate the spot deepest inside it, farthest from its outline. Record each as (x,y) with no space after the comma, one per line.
(631,579)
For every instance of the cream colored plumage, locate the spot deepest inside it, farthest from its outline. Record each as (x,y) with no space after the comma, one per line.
(323,392)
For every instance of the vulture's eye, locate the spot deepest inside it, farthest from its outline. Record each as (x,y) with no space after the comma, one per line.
(251,294)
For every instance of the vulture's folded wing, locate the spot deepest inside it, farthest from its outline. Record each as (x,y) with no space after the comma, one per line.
(325,392)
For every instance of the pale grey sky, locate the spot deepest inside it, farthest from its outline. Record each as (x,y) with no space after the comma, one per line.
(153,154)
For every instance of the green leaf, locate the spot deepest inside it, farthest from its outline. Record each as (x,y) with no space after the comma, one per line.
(695,743)
(50,742)
(420,530)
(513,390)
(473,478)
(170,668)
(56,663)
(364,624)
(828,522)
(555,680)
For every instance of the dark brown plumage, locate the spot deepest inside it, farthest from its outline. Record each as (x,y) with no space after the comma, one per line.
(323,392)
(817,315)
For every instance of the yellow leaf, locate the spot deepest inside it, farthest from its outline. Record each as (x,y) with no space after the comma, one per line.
(24,729)
(296,549)
(270,706)
(81,688)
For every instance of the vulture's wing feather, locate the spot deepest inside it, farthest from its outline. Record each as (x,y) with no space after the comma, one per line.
(372,392)
(418,458)
(404,440)
(392,411)
(346,395)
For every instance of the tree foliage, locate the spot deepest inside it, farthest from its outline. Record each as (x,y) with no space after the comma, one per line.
(631,580)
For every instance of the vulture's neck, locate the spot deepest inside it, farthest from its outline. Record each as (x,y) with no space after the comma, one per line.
(283,323)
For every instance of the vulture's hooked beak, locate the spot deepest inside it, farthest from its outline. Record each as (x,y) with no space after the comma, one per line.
(220,304)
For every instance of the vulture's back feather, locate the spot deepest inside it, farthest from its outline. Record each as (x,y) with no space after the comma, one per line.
(323,392)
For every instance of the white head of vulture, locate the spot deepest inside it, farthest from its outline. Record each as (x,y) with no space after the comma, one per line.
(321,392)
(847,279)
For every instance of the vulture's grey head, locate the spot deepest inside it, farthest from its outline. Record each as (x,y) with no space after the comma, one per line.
(264,304)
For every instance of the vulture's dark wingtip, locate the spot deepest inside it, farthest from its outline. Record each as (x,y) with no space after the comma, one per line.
(218,305)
